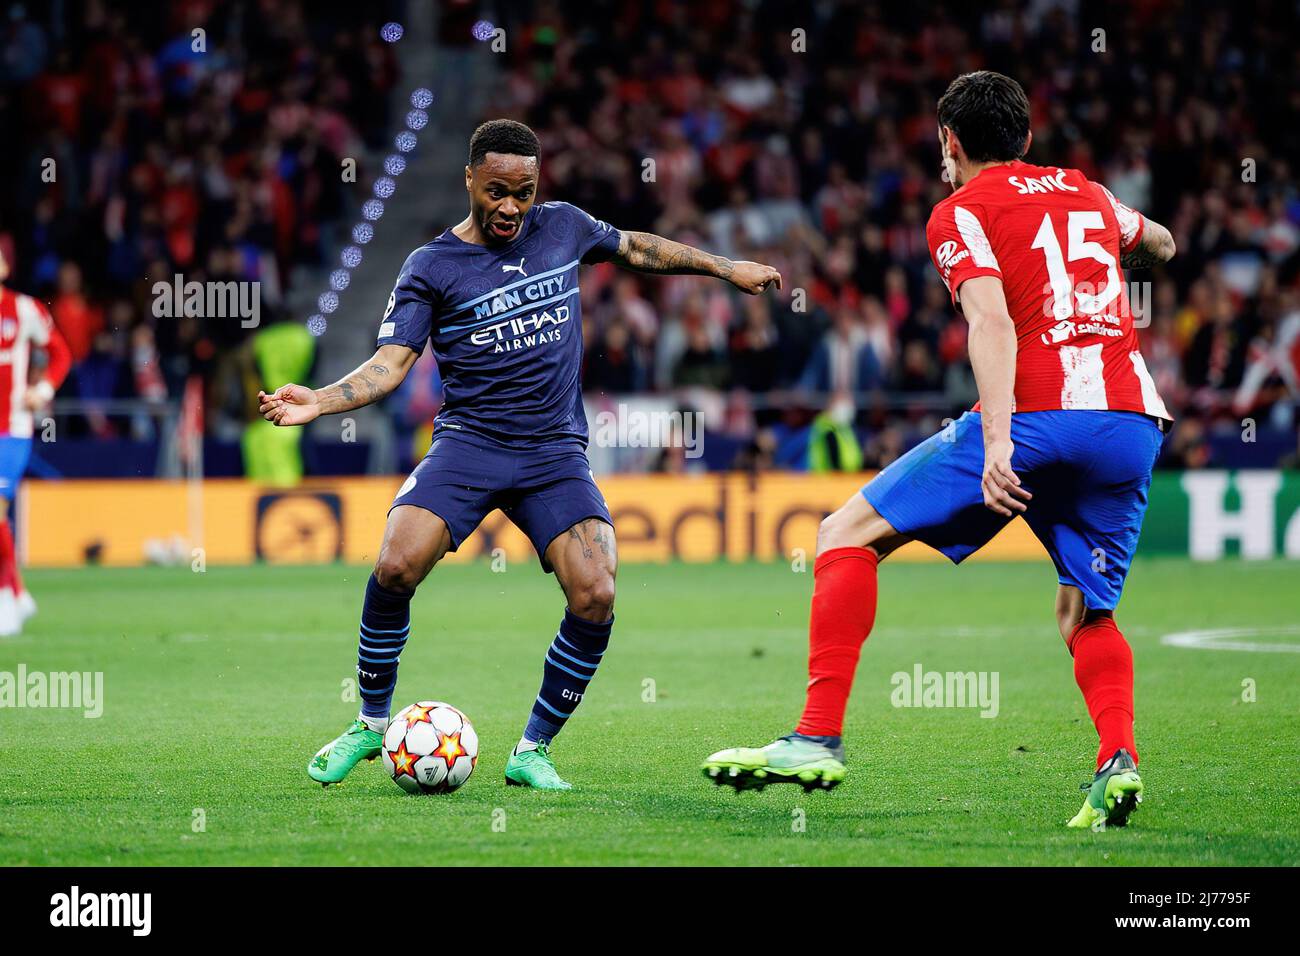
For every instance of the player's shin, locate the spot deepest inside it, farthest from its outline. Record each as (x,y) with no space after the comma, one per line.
(843,610)
(1103,669)
(567,669)
(385,626)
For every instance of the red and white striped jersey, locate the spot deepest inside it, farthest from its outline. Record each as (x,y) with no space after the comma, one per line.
(25,322)
(1055,239)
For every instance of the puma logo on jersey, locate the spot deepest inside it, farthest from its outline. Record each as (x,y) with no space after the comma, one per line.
(519,268)
(1042,184)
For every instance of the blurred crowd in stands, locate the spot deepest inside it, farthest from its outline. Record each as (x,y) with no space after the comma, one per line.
(804,136)
(797,134)
(212,154)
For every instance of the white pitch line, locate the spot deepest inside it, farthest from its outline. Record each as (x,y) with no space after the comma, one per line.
(1221,639)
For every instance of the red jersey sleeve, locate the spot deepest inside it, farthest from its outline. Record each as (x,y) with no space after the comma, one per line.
(1131,222)
(959,245)
(39,328)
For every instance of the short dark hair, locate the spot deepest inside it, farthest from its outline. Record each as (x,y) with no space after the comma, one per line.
(989,113)
(502,136)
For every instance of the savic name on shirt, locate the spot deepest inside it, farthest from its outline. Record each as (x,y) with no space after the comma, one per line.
(505,324)
(1055,239)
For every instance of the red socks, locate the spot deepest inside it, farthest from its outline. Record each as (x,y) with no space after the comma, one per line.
(843,610)
(8,560)
(1103,669)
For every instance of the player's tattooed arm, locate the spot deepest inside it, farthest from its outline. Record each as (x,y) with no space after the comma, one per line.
(369,382)
(646,252)
(298,405)
(1155,246)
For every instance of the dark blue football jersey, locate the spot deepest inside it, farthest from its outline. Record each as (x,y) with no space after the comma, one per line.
(505,324)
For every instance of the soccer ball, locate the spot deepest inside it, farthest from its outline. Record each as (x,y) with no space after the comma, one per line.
(430,747)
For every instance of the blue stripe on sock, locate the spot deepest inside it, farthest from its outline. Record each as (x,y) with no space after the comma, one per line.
(381,637)
(557,713)
(363,646)
(569,657)
(374,630)
(568,643)
(378,660)
(375,691)
(399,641)
(555,663)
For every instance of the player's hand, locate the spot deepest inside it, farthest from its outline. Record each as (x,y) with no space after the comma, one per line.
(289,405)
(37,396)
(1001,485)
(754,277)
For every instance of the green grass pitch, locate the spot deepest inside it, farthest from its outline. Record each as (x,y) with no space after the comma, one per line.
(220,686)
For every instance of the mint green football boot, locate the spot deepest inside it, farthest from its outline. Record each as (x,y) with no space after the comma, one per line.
(536,769)
(336,759)
(793,758)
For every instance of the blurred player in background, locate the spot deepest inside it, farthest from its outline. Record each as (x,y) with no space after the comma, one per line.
(1066,433)
(24,323)
(497,294)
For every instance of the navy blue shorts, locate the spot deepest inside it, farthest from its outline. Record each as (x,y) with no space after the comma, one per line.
(544,490)
(1088,471)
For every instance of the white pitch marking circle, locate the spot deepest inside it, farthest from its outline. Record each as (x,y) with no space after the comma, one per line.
(1227,639)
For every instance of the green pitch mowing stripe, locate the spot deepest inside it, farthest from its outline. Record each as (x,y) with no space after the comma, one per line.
(219,687)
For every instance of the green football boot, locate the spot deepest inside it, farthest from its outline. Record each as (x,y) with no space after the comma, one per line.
(536,769)
(336,759)
(793,758)
(1113,794)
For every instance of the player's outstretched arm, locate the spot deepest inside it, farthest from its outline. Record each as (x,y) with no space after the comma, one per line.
(992,347)
(298,404)
(645,252)
(1155,246)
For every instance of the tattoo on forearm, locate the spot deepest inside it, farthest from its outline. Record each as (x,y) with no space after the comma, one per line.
(645,252)
(1140,258)
(362,387)
(1155,247)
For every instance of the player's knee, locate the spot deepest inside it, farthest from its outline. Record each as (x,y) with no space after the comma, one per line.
(830,532)
(397,571)
(840,530)
(593,599)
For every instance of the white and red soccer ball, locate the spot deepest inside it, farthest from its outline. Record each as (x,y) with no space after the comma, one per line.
(430,747)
